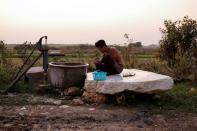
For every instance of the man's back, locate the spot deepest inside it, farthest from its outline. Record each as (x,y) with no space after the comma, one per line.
(115,54)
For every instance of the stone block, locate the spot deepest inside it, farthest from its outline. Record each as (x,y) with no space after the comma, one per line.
(141,82)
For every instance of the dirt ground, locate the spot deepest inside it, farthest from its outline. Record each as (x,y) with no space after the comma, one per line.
(102,117)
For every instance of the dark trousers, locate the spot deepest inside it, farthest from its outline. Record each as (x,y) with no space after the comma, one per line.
(107,64)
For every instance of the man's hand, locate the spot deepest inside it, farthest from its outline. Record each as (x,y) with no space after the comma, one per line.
(97,62)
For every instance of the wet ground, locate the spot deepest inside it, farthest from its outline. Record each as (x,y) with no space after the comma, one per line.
(50,117)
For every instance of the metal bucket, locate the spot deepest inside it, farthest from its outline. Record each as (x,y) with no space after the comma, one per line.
(64,75)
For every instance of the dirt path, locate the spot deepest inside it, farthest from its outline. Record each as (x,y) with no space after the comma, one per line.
(100,117)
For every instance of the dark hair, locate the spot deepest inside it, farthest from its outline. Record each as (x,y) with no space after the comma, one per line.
(100,44)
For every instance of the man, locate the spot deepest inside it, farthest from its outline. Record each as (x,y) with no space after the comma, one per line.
(112,62)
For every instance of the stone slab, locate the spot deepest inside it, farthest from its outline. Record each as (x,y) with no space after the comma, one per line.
(35,74)
(142,82)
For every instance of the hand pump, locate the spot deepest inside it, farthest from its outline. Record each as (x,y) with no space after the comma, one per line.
(44,49)
(43,52)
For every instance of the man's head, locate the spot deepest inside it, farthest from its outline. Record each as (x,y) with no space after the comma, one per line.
(101,46)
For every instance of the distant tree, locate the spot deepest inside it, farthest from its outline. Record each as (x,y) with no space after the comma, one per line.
(178,43)
(128,52)
(136,44)
(127,37)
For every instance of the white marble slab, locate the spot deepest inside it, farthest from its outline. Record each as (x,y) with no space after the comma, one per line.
(142,81)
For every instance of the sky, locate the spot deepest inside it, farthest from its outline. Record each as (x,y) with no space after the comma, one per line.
(86,21)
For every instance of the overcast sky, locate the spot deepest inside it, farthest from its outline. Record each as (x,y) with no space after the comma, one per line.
(86,21)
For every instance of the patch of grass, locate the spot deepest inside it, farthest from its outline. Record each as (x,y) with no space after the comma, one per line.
(22,87)
(183,97)
(14,100)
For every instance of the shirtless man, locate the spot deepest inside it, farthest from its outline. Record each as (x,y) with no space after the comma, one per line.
(112,62)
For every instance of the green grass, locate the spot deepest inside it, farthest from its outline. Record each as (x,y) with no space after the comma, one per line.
(13,100)
(183,97)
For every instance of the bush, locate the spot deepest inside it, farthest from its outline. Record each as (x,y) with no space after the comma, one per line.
(6,75)
(7,68)
(178,46)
